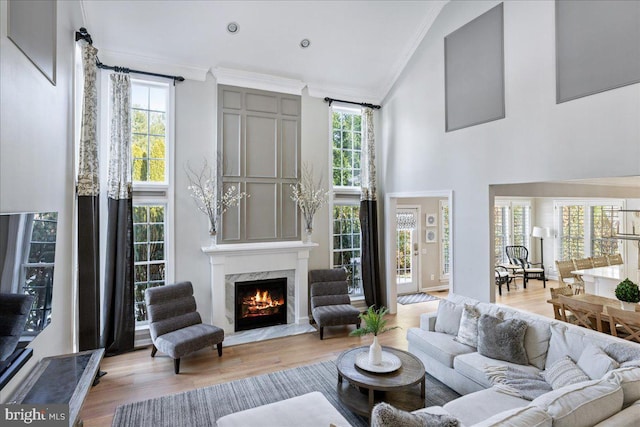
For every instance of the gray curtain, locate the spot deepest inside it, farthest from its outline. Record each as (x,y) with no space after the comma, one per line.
(88,191)
(118,321)
(369,217)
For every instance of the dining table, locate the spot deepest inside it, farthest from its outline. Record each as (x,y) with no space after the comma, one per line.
(595,299)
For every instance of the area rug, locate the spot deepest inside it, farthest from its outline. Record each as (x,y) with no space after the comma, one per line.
(415,298)
(202,407)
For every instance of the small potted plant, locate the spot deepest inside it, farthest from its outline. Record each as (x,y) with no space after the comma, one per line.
(628,294)
(373,322)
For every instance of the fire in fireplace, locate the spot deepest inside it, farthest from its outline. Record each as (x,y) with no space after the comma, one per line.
(260,303)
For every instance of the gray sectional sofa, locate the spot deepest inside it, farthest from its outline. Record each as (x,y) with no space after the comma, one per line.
(609,395)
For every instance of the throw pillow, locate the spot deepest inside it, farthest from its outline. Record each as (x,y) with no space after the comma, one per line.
(468,330)
(448,317)
(386,415)
(622,352)
(629,380)
(564,372)
(595,362)
(502,339)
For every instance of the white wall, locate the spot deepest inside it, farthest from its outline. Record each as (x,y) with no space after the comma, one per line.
(36,162)
(595,136)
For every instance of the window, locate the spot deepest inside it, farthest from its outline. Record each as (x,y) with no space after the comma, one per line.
(444,239)
(346,134)
(148,132)
(347,147)
(149,252)
(346,244)
(37,270)
(584,227)
(151,121)
(512,226)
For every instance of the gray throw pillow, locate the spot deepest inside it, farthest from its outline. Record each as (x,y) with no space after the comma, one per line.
(468,330)
(448,317)
(502,339)
(564,372)
(386,415)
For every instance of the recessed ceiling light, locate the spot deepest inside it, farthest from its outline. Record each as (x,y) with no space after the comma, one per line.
(305,43)
(233,27)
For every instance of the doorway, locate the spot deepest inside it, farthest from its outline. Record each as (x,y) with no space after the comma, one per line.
(407,250)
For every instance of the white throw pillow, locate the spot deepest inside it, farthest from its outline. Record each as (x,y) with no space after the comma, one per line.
(582,405)
(595,362)
(448,317)
(526,416)
(564,372)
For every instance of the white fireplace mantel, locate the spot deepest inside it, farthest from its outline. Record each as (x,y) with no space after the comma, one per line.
(257,258)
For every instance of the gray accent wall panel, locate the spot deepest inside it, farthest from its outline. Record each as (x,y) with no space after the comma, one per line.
(474,71)
(262,210)
(261,147)
(259,141)
(597,46)
(290,146)
(232,135)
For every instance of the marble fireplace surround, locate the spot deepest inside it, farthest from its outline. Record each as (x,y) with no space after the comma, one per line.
(240,262)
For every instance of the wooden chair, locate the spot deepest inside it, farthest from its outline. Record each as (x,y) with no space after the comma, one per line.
(556,292)
(624,324)
(519,255)
(567,278)
(600,261)
(582,264)
(615,259)
(586,313)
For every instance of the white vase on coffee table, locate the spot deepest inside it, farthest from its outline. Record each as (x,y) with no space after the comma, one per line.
(375,352)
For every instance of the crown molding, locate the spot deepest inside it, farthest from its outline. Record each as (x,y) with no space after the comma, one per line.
(253,80)
(152,65)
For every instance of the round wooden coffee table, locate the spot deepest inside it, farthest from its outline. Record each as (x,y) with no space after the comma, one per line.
(364,389)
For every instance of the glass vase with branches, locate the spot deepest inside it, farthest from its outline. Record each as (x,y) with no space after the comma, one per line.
(203,188)
(309,195)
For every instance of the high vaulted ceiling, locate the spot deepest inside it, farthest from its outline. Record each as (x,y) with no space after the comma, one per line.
(358,48)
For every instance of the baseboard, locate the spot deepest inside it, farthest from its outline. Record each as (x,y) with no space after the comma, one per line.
(436,288)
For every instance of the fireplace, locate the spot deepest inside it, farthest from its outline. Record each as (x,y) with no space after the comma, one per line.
(260,303)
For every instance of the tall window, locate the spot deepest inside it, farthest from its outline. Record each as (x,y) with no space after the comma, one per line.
(512,226)
(151,123)
(444,240)
(346,131)
(346,244)
(585,227)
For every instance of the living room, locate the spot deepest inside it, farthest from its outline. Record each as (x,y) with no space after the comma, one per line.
(539,140)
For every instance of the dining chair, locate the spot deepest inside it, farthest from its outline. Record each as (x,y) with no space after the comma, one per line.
(519,255)
(555,293)
(566,277)
(502,278)
(615,259)
(600,261)
(585,313)
(624,324)
(582,264)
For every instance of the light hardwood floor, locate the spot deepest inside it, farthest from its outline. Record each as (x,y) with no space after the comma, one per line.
(136,376)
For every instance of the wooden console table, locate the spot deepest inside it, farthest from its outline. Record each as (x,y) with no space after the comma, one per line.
(62,379)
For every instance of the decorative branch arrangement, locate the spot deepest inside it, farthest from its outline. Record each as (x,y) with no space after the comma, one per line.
(309,196)
(204,191)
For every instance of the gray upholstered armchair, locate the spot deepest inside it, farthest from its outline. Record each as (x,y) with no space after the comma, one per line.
(330,302)
(175,325)
(14,311)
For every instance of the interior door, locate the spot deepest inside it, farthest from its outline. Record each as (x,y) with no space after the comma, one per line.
(407,250)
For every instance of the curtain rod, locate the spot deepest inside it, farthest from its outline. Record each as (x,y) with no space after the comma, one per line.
(82,34)
(362,104)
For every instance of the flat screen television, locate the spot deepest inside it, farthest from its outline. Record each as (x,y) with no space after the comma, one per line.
(27,261)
